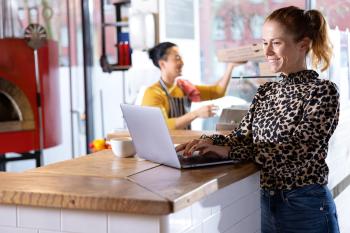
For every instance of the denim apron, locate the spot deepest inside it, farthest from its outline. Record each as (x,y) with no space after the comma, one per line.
(179,106)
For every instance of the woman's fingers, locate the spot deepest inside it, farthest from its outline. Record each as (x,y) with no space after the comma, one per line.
(213,109)
(191,147)
(180,147)
(199,145)
(185,146)
(207,111)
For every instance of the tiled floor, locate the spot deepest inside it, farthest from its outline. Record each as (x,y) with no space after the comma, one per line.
(344,210)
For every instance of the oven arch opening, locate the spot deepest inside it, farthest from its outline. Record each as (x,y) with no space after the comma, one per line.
(16,113)
(9,110)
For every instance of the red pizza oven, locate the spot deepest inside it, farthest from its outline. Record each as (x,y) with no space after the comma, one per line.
(19,121)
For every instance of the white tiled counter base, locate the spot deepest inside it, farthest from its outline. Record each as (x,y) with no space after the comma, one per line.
(235,208)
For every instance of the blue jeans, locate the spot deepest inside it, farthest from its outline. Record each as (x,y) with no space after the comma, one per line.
(309,209)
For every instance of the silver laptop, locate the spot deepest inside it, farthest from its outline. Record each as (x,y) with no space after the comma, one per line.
(152,140)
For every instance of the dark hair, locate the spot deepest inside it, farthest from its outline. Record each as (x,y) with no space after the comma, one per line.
(159,52)
(309,24)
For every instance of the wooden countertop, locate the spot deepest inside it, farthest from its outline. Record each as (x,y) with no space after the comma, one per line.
(102,181)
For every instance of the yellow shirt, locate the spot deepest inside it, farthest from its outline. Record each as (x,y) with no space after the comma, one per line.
(155,96)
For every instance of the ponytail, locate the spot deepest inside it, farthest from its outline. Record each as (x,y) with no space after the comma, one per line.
(321,47)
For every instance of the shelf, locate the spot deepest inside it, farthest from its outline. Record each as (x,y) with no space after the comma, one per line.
(123,50)
(257,76)
(119,1)
(118,67)
(116,24)
(107,67)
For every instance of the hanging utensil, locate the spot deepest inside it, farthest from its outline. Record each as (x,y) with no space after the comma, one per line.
(36,37)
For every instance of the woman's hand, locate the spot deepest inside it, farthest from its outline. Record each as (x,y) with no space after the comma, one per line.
(206,111)
(203,146)
(202,112)
(194,145)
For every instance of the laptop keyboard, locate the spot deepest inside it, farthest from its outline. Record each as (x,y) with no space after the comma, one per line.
(198,159)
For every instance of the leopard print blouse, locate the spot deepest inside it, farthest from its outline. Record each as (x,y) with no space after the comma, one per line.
(287,129)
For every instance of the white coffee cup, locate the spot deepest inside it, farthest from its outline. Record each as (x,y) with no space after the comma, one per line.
(122,146)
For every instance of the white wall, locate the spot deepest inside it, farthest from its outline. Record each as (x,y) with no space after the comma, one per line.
(190,49)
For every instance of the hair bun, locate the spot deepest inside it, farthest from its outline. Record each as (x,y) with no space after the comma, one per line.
(159,51)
